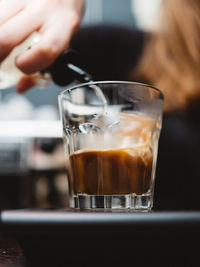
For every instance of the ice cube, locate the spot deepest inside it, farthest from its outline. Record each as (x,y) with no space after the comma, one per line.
(89,128)
(105,121)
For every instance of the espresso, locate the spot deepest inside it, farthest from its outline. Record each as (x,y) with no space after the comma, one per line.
(113,171)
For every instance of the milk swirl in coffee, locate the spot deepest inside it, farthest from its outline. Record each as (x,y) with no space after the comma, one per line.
(117,161)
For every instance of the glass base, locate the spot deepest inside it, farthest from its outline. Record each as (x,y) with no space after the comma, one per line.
(131,201)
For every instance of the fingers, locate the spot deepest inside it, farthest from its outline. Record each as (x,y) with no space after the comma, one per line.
(9,8)
(52,43)
(56,20)
(25,83)
(9,38)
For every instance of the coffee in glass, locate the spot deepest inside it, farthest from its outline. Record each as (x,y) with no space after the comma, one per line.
(111,149)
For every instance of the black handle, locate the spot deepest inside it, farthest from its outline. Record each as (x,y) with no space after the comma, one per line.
(67,68)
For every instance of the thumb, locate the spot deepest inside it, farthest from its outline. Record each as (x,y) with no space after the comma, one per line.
(25,83)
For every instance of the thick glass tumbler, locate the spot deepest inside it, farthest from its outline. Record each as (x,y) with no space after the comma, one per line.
(111,132)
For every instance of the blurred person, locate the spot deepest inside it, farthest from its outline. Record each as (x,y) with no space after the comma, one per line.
(171,62)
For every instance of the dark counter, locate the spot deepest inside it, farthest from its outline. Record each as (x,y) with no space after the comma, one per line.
(73,238)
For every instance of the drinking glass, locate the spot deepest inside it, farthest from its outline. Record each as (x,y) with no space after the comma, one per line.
(111,131)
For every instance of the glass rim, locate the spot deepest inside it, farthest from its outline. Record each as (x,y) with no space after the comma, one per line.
(161,95)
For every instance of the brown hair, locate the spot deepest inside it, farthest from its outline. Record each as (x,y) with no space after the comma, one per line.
(171,59)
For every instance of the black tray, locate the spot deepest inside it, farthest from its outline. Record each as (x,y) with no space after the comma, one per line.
(105,238)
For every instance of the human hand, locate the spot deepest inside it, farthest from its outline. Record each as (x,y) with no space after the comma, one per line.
(25,83)
(55,20)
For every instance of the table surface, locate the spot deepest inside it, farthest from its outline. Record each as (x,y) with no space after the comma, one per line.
(12,255)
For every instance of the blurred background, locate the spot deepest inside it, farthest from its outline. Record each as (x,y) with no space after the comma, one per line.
(32,159)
